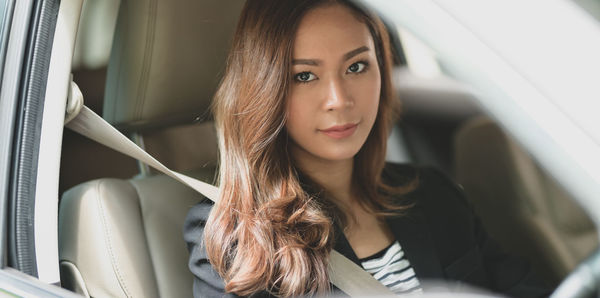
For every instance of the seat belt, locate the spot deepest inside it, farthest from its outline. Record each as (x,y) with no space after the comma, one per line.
(343,273)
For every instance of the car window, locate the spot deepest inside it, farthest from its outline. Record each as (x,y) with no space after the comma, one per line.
(4,19)
(3,5)
(3,16)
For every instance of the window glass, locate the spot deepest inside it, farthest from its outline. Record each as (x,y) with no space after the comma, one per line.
(3,32)
(3,4)
(3,19)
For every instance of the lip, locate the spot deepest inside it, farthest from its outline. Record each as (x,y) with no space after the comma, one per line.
(340,131)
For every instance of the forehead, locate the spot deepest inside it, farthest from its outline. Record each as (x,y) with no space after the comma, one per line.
(330,30)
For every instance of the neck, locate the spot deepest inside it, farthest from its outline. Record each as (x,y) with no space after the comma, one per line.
(334,175)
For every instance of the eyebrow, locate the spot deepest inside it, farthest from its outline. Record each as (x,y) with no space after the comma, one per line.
(355,52)
(316,62)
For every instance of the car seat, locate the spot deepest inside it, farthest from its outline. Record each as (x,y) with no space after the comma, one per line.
(123,238)
(521,207)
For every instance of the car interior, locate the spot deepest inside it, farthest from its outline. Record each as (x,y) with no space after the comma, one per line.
(150,68)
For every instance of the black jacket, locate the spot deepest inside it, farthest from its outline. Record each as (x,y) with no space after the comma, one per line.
(440,235)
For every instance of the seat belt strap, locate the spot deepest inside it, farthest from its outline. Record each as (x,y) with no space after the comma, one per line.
(343,273)
(92,126)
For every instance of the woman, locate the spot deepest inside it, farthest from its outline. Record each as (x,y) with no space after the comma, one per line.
(303,114)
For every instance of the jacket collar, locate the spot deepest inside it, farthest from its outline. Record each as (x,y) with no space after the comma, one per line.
(415,239)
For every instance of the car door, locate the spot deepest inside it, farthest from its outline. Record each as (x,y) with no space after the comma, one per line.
(36,41)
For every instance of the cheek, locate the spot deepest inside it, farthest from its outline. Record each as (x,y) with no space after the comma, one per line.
(298,116)
(367,94)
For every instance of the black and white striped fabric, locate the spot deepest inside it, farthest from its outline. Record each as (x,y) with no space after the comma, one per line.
(392,269)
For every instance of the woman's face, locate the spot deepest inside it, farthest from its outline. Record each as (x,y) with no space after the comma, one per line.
(333,101)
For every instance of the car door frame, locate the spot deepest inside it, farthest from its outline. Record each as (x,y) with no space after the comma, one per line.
(38,39)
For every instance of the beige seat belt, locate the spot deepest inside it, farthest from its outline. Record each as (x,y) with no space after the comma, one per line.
(343,273)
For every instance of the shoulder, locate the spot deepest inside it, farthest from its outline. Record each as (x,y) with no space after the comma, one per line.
(193,227)
(432,186)
(439,202)
(443,216)
(206,280)
(397,174)
(435,193)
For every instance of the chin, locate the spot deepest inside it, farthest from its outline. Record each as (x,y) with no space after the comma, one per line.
(339,155)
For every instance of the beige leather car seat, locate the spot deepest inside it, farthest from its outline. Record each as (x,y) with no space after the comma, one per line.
(521,206)
(123,238)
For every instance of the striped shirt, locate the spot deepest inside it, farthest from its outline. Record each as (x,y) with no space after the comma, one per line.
(393,270)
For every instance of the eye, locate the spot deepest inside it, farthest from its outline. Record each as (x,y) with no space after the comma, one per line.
(305,77)
(357,67)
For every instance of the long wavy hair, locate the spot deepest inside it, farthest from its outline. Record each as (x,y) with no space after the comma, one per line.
(267,232)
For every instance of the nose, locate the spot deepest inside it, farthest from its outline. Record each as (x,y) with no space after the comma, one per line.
(337,96)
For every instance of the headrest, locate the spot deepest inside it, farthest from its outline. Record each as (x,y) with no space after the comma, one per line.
(166,60)
(95,34)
